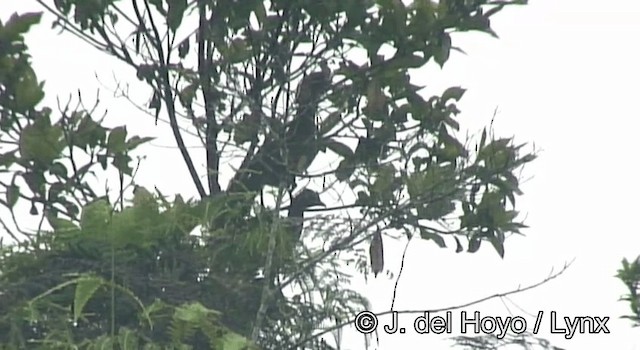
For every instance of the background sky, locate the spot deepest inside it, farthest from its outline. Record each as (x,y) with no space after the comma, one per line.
(563,75)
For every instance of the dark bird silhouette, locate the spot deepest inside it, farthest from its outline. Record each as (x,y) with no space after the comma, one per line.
(292,226)
(283,155)
(299,204)
(262,223)
(236,273)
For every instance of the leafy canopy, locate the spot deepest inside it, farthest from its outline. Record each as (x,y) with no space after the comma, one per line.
(236,82)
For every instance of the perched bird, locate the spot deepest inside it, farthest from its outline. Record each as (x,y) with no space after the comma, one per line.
(243,269)
(282,156)
(376,254)
(299,204)
(261,223)
(294,223)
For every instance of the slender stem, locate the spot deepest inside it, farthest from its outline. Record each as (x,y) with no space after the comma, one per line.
(266,290)
(168,101)
(204,69)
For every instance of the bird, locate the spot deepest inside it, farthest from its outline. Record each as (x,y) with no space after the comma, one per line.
(261,223)
(283,156)
(294,222)
(291,226)
(305,200)
(248,270)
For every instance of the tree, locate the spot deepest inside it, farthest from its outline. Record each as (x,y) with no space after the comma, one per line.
(629,274)
(279,81)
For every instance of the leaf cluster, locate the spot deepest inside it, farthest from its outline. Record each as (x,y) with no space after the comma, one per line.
(238,80)
(55,157)
(138,277)
(629,274)
(137,274)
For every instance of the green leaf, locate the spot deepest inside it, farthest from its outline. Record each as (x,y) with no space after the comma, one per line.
(330,122)
(382,187)
(102,159)
(510,184)
(158,5)
(260,11)
(60,225)
(237,51)
(19,24)
(452,122)
(7,159)
(28,92)
(442,53)
(339,148)
(454,92)
(436,210)
(41,142)
(183,48)
(103,342)
(121,162)
(175,13)
(193,312)
(478,22)
(136,141)
(458,244)
(85,289)
(89,133)
(116,142)
(95,217)
(58,169)
(474,244)
(409,61)
(35,180)
(247,129)
(187,94)
(13,193)
(234,341)
(450,150)
(345,170)
(497,240)
(483,139)
(492,214)
(426,234)
(128,339)
(436,183)
(399,115)
(125,230)
(493,148)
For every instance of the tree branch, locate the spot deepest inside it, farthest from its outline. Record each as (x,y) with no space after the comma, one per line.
(448,308)
(208,94)
(166,87)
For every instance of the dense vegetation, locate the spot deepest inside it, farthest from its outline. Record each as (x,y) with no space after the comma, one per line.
(275,81)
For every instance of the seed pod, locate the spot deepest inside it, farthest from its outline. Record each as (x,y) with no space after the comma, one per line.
(376,253)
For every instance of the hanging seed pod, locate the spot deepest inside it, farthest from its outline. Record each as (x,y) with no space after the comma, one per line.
(376,253)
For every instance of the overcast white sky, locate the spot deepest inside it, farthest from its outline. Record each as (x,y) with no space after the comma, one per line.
(564,74)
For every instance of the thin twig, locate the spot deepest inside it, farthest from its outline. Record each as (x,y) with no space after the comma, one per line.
(395,287)
(448,308)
